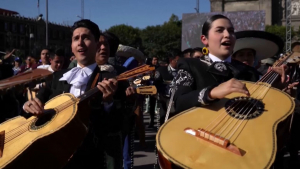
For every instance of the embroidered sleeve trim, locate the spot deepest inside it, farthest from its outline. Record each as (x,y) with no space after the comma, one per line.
(201,96)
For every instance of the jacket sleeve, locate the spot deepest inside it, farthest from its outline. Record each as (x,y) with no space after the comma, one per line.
(187,94)
(45,92)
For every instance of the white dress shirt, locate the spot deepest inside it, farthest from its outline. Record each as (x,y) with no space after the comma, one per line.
(82,76)
(216,59)
(88,70)
(47,67)
(43,66)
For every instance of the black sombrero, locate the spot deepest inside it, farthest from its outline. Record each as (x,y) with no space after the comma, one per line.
(265,44)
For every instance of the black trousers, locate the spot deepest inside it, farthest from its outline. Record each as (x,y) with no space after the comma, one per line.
(152,102)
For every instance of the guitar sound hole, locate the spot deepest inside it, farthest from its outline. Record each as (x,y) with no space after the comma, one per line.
(244,108)
(43,119)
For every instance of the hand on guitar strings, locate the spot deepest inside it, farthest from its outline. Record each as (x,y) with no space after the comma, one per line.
(282,72)
(34,106)
(108,88)
(227,88)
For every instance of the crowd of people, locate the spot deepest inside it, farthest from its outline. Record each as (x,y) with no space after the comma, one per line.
(115,113)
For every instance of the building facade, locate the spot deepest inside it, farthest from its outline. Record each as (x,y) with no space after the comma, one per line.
(29,34)
(275,9)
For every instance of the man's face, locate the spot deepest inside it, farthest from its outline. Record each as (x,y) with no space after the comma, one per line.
(103,53)
(246,56)
(45,56)
(154,60)
(84,46)
(57,63)
(173,62)
(197,55)
(28,60)
(187,55)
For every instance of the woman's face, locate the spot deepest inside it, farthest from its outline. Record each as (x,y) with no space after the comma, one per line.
(221,38)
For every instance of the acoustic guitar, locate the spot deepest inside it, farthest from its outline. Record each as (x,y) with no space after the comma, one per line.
(49,140)
(236,132)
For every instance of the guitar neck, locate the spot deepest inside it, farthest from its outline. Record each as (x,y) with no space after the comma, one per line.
(92,92)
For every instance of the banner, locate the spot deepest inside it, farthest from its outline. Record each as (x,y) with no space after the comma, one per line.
(192,25)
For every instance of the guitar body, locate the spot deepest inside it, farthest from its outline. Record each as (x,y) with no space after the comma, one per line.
(47,143)
(256,137)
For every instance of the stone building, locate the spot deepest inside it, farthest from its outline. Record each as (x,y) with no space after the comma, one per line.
(29,34)
(275,9)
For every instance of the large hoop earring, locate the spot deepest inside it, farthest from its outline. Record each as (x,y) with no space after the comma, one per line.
(204,51)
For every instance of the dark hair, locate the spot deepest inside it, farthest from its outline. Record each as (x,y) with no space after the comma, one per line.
(173,54)
(186,51)
(89,25)
(45,48)
(196,49)
(113,42)
(207,24)
(59,52)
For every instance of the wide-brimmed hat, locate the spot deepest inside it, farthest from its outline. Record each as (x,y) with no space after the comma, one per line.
(265,44)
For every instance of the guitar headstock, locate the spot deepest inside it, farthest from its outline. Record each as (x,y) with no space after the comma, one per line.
(291,57)
(146,90)
(143,70)
(294,58)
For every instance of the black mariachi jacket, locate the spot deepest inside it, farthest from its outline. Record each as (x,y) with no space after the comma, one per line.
(163,75)
(197,77)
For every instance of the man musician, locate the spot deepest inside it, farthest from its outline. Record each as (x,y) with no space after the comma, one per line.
(162,80)
(78,80)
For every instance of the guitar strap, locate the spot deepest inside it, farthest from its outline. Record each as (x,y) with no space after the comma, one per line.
(95,81)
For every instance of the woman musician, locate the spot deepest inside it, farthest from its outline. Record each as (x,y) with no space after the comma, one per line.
(216,75)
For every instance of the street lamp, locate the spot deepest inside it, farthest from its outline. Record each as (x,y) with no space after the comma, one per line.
(40,17)
(79,17)
(31,36)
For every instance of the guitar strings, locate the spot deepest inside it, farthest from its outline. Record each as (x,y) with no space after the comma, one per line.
(272,79)
(241,121)
(219,134)
(233,106)
(270,73)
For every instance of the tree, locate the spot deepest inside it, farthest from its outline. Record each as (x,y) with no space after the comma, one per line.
(128,35)
(161,39)
(280,31)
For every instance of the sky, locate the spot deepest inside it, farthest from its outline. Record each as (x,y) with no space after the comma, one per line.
(107,13)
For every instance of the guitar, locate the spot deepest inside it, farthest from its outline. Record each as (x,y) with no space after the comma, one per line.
(233,133)
(52,138)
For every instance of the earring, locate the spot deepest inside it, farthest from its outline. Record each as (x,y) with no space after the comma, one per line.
(204,51)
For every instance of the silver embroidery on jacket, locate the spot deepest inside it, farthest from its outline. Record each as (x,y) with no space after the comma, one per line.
(201,96)
(183,78)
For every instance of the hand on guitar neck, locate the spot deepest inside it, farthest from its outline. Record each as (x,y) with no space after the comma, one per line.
(107,87)
(227,88)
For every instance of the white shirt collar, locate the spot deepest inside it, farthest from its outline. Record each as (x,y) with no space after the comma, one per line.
(50,69)
(172,68)
(88,69)
(216,59)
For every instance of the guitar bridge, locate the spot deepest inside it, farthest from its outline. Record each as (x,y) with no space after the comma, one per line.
(216,140)
(2,139)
